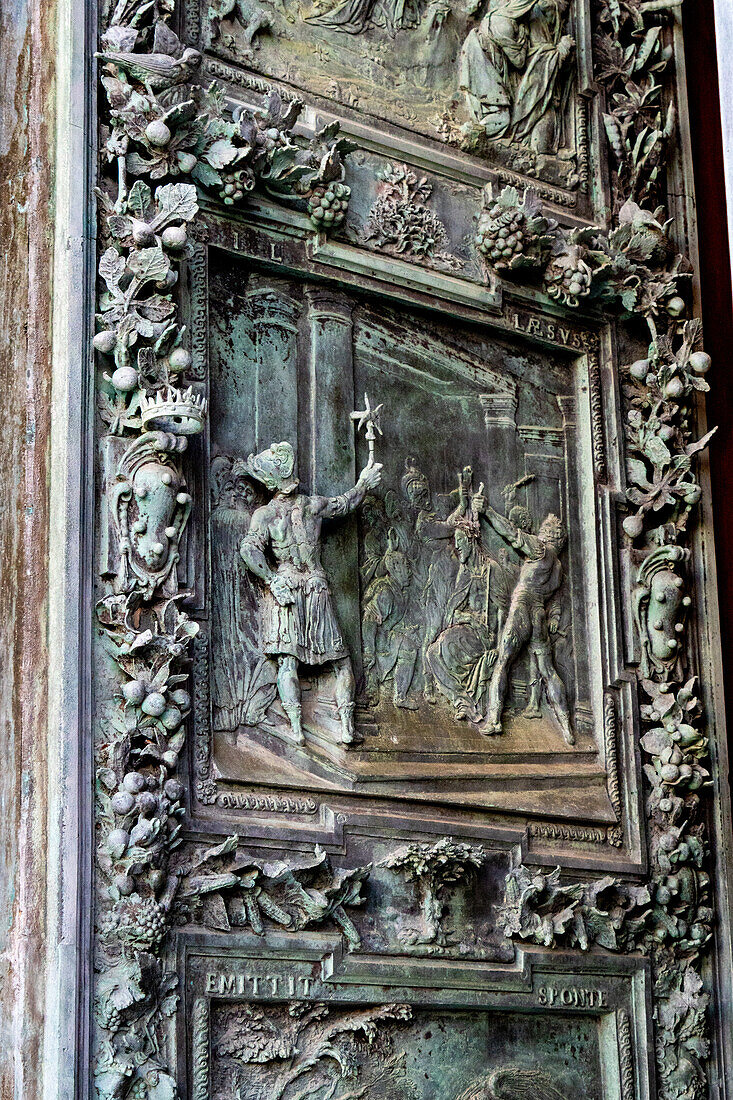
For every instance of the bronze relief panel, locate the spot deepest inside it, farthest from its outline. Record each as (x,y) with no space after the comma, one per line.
(396,594)
(421,630)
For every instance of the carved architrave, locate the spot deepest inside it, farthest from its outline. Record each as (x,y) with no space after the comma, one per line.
(347,723)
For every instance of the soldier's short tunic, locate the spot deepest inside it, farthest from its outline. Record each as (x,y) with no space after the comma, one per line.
(288,531)
(307,628)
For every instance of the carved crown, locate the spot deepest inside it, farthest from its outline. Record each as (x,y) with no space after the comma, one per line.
(172,410)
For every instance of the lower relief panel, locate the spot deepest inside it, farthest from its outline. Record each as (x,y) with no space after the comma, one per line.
(325,1029)
(284,1051)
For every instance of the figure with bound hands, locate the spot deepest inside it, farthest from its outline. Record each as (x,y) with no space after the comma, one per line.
(533,616)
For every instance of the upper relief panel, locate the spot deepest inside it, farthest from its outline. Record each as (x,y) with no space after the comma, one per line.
(500,80)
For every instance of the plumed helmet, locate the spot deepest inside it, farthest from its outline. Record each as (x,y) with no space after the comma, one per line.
(274,467)
(413,476)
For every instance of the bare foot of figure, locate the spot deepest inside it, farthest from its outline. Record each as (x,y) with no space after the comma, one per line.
(464,712)
(296,727)
(531,711)
(346,716)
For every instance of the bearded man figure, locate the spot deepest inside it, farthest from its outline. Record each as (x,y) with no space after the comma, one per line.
(529,621)
(283,547)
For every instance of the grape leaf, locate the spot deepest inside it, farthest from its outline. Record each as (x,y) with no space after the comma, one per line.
(177,201)
(149,264)
(206,175)
(221,153)
(112,268)
(138,199)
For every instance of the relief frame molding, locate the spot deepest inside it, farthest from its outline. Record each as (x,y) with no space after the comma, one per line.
(616,992)
(285,249)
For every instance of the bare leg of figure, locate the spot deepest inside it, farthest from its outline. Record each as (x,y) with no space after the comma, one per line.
(288,687)
(509,647)
(534,704)
(556,696)
(433,621)
(371,675)
(429,689)
(344,695)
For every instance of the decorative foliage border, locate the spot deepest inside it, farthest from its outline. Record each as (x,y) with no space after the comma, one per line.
(170,136)
(670,917)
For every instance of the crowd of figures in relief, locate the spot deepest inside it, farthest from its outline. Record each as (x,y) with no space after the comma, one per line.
(443,621)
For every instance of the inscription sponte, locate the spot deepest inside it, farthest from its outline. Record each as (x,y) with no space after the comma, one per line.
(571,996)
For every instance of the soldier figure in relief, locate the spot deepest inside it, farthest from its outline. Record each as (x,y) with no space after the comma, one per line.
(528,622)
(282,547)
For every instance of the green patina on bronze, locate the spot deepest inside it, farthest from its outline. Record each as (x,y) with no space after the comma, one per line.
(437,661)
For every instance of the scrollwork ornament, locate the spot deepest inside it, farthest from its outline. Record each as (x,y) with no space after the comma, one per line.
(626,1056)
(610,731)
(201,1049)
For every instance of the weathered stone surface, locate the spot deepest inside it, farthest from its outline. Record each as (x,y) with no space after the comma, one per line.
(26,297)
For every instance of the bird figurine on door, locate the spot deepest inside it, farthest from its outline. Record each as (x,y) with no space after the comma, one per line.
(166,66)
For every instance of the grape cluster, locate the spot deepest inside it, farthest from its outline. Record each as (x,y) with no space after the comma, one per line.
(109,1015)
(501,236)
(235,185)
(327,204)
(145,922)
(568,281)
(267,138)
(138,1090)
